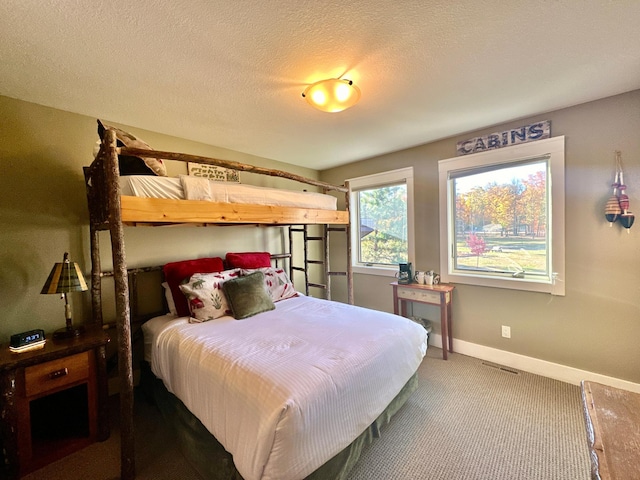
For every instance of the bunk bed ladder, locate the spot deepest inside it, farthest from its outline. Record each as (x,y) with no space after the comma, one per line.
(326,229)
(294,268)
(328,272)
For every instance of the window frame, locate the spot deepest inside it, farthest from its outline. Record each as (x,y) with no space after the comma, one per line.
(382,179)
(554,148)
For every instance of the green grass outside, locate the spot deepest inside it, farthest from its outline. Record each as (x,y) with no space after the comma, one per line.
(517,254)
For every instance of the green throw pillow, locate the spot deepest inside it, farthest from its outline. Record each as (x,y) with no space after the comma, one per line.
(247,295)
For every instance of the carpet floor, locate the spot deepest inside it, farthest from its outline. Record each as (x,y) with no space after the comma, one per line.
(468,420)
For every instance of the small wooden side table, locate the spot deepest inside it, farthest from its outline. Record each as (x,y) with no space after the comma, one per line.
(612,418)
(54,401)
(441,295)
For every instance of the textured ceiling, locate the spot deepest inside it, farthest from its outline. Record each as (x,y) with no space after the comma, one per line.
(231,73)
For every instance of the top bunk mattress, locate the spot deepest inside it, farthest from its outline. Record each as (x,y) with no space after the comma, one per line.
(187,187)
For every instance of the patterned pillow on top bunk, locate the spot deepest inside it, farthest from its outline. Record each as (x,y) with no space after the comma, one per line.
(134,165)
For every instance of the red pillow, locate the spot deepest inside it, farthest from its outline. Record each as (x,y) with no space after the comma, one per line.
(176,272)
(248,260)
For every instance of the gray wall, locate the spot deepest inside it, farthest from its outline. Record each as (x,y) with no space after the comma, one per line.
(596,326)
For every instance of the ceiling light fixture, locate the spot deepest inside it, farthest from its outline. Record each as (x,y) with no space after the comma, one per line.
(332,95)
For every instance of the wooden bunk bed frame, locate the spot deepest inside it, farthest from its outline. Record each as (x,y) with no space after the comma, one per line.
(109,210)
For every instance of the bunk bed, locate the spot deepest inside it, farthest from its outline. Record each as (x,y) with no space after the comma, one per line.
(110,210)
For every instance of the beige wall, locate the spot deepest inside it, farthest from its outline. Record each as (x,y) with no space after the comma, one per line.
(43,212)
(596,326)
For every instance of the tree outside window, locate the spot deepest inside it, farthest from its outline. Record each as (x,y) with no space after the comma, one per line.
(501,220)
(383,225)
(502,217)
(382,221)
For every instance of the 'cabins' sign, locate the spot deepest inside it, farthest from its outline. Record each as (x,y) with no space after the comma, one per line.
(527,133)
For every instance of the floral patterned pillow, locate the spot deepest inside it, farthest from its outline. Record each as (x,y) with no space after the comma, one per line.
(205,295)
(177,273)
(276,282)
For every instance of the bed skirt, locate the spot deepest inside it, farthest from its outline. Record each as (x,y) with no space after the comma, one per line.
(213,462)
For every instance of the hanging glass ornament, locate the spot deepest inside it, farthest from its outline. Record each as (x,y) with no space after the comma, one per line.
(626,217)
(612,209)
(623,199)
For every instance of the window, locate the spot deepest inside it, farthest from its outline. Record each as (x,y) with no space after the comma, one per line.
(382,221)
(502,217)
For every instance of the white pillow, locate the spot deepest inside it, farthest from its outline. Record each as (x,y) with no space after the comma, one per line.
(276,282)
(205,295)
(169,297)
(196,188)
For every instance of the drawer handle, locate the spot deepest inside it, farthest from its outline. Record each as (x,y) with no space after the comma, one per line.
(59,373)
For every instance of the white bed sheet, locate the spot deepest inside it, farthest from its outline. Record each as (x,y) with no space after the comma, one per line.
(226,192)
(288,389)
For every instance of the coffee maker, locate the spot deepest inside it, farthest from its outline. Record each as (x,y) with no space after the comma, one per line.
(404,274)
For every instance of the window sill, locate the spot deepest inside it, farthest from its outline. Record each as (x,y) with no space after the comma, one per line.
(541,286)
(379,271)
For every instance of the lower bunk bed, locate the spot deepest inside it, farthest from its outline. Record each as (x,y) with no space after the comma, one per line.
(213,462)
(290,393)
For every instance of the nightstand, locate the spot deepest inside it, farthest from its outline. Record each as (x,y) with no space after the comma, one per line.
(440,295)
(54,401)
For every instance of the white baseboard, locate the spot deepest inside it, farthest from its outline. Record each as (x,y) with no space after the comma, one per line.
(533,365)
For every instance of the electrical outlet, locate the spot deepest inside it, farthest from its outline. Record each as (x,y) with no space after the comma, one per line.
(506,331)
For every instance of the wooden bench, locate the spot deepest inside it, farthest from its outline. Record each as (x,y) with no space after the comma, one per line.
(612,419)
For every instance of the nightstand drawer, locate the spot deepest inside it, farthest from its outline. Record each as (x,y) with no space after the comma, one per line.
(419,295)
(56,373)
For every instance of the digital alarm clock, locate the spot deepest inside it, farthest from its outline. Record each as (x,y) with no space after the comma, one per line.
(31,340)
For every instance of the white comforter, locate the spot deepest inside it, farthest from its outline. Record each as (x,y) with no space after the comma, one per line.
(286,390)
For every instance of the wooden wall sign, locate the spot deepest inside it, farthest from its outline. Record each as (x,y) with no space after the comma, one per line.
(524,134)
(213,172)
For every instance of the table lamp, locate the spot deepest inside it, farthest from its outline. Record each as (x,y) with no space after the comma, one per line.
(65,277)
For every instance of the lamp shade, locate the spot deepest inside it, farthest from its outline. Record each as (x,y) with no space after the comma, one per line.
(332,95)
(65,277)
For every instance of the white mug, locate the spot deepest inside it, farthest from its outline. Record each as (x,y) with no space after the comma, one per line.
(429,278)
(420,277)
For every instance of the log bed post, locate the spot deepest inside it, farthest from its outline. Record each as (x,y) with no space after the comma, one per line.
(94,236)
(347,201)
(96,284)
(123,320)
(327,266)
